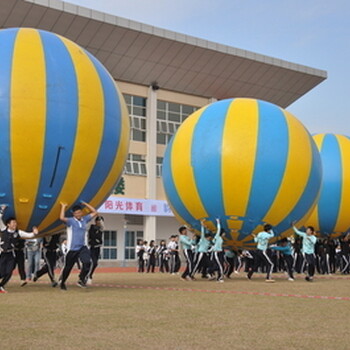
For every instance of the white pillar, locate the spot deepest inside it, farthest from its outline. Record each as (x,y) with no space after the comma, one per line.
(151,160)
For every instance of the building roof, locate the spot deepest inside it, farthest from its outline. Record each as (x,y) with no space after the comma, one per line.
(138,53)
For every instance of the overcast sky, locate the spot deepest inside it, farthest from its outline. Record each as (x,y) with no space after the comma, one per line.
(315,33)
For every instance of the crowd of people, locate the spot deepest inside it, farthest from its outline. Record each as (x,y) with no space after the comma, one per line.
(300,253)
(205,254)
(80,245)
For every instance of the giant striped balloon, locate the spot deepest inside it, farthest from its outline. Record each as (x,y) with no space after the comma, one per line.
(245,161)
(332,213)
(64,127)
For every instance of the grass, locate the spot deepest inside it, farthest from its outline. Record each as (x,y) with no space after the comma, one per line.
(110,317)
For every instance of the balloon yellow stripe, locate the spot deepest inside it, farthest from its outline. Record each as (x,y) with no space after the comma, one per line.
(295,178)
(343,215)
(28,90)
(237,161)
(183,175)
(90,113)
(120,159)
(313,219)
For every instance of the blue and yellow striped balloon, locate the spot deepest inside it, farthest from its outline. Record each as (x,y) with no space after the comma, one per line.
(331,215)
(245,161)
(64,127)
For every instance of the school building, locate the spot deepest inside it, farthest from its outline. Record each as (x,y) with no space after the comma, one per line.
(164,77)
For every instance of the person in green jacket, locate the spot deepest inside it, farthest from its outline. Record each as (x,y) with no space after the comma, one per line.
(186,244)
(308,249)
(218,253)
(262,240)
(202,251)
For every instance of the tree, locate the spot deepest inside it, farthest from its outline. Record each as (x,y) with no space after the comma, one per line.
(120,187)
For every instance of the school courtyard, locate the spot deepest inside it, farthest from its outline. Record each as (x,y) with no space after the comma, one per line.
(126,310)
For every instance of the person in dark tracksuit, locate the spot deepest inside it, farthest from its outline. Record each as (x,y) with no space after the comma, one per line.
(230,262)
(162,253)
(345,254)
(95,240)
(140,250)
(151,261)
(20,259)
(51,245)
(8,237)
(287,252)
(262,239)
(308,249)
(77,243)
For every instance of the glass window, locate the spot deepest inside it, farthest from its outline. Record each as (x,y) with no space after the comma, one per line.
(170,115)
(109,248)
(130,243)
(135,165)
(137,111)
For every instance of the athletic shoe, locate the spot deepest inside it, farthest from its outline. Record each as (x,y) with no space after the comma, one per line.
(209,275)
(63,286)
(307,278)
(35,279)
(236,272)
(270,280)
(54,284)
(291,279)
(188,278)
(249,276)
(211,278)
(183,279)
(89,282)
(2,290)
(24,283)
(220,281)
(81,284)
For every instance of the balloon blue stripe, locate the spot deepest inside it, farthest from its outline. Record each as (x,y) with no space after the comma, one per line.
(329,203)
(309,195)
(270,162)
(206,156)
(61,123)
(7,41)
(170,189)
(110,143)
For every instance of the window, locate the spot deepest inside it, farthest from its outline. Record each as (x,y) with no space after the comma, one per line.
(137,111)
(159,166)
(109,248)
(135,165)
(169,118)
(131,238)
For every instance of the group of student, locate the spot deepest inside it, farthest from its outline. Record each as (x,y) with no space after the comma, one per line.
(82,245)
(206,255)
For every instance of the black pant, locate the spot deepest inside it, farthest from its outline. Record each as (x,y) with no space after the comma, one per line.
(310,260)
(151,263)
(189,263)
(261,258)
(20,262)
(175,262)
(163,263)
(7,265)
(230,266)
(141,263)
(218,258)
(71,258)
(95,255)
(50,258)
(289,265)
(201,263)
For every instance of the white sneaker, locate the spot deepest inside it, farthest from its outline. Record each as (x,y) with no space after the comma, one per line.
(89,282)
(291,279)
(2,290)
(220,281)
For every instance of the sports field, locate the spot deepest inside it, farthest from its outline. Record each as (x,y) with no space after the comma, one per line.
(127,310)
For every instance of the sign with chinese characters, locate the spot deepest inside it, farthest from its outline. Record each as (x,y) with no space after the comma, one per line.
(149,207)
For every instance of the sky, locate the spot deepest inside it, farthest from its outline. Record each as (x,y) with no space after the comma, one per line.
(314,33)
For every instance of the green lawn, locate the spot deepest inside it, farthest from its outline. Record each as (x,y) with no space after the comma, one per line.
(192,317)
